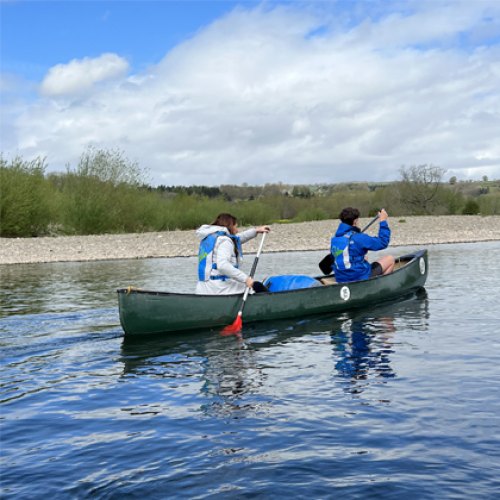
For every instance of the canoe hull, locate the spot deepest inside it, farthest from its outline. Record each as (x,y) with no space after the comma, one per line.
(145,312)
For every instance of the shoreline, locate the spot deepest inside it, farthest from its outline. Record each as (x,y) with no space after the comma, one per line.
(290,237)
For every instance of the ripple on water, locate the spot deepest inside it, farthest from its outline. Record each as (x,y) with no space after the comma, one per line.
(399,399)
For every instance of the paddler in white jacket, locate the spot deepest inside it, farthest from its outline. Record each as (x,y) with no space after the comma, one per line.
(220,256)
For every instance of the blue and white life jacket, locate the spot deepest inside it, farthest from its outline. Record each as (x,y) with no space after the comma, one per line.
(207,268)
(339,248)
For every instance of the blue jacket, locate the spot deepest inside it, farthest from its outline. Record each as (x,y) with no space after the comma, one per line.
(349,247)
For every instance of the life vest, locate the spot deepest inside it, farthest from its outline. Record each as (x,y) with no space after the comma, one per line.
(206,264)
(339,247)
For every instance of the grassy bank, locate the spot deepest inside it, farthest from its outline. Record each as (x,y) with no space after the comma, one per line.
(106,193)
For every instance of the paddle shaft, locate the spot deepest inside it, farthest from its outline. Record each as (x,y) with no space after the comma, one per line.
(370,223)
(252,273)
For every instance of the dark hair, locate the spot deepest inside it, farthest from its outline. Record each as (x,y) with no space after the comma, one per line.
(229,221)
(225,220)
(349,215)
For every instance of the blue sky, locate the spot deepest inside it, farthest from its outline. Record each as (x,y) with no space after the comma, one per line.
(39,34)
(207,92)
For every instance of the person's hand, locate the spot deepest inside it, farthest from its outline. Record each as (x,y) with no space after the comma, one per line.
(249,282)
(382,215)
(263,229)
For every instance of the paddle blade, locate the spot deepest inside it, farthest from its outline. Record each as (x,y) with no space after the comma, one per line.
(234,327)
(326,264)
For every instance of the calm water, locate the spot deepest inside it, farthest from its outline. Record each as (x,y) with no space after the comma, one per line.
(397,400)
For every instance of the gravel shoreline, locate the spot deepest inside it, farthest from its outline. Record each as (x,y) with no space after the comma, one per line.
(425,230)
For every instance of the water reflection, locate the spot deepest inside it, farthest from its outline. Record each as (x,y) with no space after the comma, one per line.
(225,369)
(232,371)
(362,347)
(230,377)
(363,342)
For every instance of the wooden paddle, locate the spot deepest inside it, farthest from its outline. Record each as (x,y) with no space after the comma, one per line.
(237,324)
(327,262)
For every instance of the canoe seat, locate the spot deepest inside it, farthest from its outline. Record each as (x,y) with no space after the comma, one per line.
(399,264)
(328,280)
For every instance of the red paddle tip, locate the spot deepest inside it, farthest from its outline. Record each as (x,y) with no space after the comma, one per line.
(234,327)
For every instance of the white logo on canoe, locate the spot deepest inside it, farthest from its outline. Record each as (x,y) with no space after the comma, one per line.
(345,293)
(421,264)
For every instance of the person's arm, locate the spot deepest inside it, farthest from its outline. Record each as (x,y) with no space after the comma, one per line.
(384,235)
(225,250)
(248,235)
(252,233)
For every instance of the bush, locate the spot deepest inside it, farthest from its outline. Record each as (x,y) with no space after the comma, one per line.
(453,201)
(471,207)
(25,208)
(106,193)
(312,213)
(489,204)
(102,194)
(256,213)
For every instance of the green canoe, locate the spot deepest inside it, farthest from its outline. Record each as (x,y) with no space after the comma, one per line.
(144,312)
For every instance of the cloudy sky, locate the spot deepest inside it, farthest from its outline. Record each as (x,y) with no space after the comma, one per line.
(202,92)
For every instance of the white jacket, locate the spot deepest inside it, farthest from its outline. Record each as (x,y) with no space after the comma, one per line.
(224,256)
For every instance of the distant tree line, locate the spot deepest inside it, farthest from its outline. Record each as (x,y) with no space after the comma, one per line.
(208,191)
(107,193)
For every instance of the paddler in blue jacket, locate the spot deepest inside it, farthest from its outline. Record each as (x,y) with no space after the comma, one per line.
(220,256)
(349,247)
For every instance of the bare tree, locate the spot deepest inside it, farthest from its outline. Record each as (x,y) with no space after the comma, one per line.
(109,166)
(419,188)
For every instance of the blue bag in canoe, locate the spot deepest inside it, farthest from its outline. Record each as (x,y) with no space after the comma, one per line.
(287,282)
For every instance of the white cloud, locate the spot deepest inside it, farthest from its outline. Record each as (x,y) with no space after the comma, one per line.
(79,75)
(258,97)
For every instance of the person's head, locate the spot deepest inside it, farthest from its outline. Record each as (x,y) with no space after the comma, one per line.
(349,215)
(227,220)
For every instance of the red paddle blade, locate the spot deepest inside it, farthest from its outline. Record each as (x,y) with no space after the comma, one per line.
(234,327)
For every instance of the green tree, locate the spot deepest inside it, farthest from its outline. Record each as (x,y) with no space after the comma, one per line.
(301,192)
